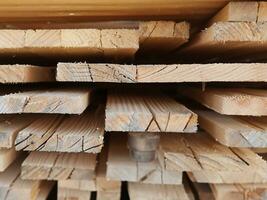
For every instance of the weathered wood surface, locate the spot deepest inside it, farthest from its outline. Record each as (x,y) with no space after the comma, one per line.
(121,167)
(26,74)
(227,41)
(7,157)
(58,166)
(239,191)
(57,133)
(139,191)
(235,131)
(162,37)
(203,191)
(174,73)
(147,113)
(64,43)
(70,101)
(230,101)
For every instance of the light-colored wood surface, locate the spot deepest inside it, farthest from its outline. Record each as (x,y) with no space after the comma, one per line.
(230,101)
(235,131)
(26,74)
(255,172)
(227,40)
(162,37)
(246,11)
(121,167)
(84,10)
(7,157)
(58,166)
(10,125)
(70,101)
(57,133)
(13,187)
(139,191)
(200,154)
(239,191)
(54,43)
(147,113)
(63,194)
(175,73)
(87,72)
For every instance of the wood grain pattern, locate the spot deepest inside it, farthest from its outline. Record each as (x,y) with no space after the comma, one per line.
(227,40)
(58,166)
(239,191)
(139,191)
(161,37)
(71,101)
(230,101)
(142,112)
(235,131)
(94,43)
(87,72)
(199,152)
(57,133)
(26,74)
(175,73)
(7,157)
(121,167)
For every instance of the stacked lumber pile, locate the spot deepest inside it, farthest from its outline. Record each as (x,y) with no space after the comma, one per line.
(75,92)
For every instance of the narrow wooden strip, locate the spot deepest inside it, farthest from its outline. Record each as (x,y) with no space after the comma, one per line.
(81,133)
(58,166)
(203,191)
(109,43)
(7,157)
(231,101)
(235,131)
(137,112)
(175,73)
(86,72)
(45,189)
(71,101)
(121,167)
(64,194)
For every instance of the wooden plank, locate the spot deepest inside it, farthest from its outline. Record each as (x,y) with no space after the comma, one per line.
(58,166)
(144,112)
(81,133)
(239,191)
(13,187)
(139,191)
(26,74)
(83,10)
(227,41)
(230,101)
(70,101)
(7,157)
(262,16)
(162,37)
(95,43)
(87,72)
(10,125)
(64,194)
(175,73)
(200,153)
(255,172)
(234,131)
(121,167)
(78,185)
(245,11)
